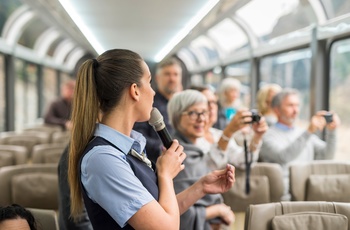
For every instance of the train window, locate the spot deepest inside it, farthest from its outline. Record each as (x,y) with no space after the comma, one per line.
(32,31)
(269,19)
(339,93)
(335,8)
(228,36)
(50,87)
(204,50)
(26,94)
(7,7)
(291,69)
(2,94)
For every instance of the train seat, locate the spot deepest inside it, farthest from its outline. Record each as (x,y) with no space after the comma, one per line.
(61,137)
(46,219)
(50,129)
(32,186)
(13,155)
(27,139)
(47,153)
(298,215)
(323,180)
(266,185)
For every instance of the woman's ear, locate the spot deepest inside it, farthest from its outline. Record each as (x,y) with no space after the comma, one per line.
(135,92)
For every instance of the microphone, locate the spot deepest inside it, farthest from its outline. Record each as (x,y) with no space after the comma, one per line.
(157,122)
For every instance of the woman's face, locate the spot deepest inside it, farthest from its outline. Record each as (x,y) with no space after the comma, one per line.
(212,106)
(193,121)
(231,95)
(146,93)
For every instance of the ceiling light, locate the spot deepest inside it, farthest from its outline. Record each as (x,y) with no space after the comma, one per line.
(67,5)
(186,29)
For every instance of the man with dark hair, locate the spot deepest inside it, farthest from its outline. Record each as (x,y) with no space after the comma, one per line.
(285,144)
(17,217)
(169,81)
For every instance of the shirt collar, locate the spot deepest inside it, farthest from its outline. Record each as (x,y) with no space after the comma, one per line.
(283,127)
(136,140)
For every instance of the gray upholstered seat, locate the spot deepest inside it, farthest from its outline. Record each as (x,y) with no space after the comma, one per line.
(298,215)
(32,186)
(46,219)
(13,155)
(266,185)
(47,153)
(320,181)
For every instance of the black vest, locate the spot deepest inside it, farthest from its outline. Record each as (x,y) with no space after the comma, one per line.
(99,218)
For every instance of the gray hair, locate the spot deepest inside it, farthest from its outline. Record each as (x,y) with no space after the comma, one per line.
(228,83)
(180,102)
(279,97)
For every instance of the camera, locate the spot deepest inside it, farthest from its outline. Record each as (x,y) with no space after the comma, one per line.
(329,117)
(255,116)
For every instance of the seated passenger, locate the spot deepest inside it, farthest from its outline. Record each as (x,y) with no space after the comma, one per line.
(264,98)
(59,111)
(16,217)
(220,144)
(229,101)
(188,114)
(284,143)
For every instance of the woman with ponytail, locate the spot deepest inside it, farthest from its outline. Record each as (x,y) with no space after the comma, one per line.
(108,168)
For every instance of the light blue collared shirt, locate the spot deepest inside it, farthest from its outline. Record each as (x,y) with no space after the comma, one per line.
(283,127)
(108,178)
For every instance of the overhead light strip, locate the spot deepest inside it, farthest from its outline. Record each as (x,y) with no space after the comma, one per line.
(186,29)
(82,26)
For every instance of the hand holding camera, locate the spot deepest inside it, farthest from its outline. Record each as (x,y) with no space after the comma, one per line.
(323,119)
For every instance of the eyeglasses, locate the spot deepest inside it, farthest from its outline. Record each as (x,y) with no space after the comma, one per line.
(193,115)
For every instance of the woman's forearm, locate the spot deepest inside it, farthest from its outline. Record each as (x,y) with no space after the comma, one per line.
(189,196)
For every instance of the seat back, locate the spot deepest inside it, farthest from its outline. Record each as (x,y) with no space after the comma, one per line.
(46,219)
(47,153)
(13,154)
(27,139)
(298,215)
(266,185)
(61,137)
(32,186)
(50,129)
(320,181)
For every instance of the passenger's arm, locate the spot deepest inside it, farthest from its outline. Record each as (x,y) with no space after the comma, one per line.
(218,181)
(277,149)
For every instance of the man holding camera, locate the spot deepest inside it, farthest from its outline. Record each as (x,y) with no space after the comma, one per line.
(285,144)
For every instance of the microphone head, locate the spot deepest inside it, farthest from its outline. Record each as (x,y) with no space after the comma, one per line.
(156,120)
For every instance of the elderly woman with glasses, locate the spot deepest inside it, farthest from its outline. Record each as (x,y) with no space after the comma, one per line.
(221,144)
(188,114)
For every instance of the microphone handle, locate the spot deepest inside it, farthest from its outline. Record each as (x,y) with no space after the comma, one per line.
(165,137)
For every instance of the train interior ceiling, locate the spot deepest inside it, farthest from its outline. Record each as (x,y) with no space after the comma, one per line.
(302,44)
